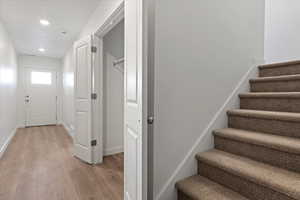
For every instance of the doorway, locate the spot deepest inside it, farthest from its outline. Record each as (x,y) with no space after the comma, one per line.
(92,98)
(113,90)
(40,97)
(99,118)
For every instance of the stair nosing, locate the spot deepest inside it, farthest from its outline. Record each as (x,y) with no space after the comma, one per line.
(251,176)
(189,191)
(280,146)
(278,65)
(277,95)
(270,115)
(276,78)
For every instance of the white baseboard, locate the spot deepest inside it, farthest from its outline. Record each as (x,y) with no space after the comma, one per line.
(70,129)
(21,125)
(188,166)
(7,142)
(114,150)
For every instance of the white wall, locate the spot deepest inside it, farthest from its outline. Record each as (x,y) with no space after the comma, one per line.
(8,89)
(282,30)
(38,62)
(203,48)
(68,93)
(113,49)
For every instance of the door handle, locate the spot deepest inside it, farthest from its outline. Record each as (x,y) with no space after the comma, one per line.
(150,120)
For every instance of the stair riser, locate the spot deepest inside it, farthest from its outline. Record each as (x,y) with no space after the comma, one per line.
(259,153)
(182,196)
(276,86)
(271,104)
(276,127)
(279,71)
(247,188)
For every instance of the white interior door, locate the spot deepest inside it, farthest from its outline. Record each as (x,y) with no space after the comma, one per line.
(135,137)
(40,97)
(86,144)
(83,106)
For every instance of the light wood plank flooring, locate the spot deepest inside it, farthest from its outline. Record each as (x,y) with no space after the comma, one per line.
(38,165)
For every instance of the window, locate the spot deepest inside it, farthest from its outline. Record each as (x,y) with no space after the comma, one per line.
(41,78)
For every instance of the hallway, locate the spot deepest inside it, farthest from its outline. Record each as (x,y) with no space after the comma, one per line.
(38,165)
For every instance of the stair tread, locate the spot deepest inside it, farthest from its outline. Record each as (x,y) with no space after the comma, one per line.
(280,180)
(292,95)
(200,188)
(281,64)
(276,78)
(272,115)
(281,143)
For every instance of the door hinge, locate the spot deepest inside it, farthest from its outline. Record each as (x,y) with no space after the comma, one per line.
(94,96)
(94,49)
(94,143)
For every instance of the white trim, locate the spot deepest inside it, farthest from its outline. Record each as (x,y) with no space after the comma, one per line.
(69,129)
(111,21)
(188,166)
(7,142)
(114,150)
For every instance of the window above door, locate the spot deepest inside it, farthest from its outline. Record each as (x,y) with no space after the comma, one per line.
(41,78)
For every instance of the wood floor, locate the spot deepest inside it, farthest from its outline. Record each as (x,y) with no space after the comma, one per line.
(38,165)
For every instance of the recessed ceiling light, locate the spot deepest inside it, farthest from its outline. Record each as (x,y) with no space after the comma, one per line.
(41,49)
(44,22)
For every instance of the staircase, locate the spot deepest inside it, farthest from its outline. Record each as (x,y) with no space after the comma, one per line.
(258,156)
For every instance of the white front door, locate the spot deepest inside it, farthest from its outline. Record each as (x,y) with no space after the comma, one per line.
(40,97)
(87,146)
(134,129)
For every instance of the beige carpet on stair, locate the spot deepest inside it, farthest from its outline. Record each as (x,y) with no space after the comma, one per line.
(258,156)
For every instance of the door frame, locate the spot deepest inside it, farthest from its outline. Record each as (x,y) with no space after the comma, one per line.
(97,104)
(97,80)
(117,15)
(25,81)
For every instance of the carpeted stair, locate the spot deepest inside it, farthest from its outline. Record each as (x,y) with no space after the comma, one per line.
(258,156)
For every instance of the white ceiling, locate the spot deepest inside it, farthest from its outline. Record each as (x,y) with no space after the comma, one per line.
(21,18)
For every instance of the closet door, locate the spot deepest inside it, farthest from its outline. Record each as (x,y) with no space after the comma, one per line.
(83,100)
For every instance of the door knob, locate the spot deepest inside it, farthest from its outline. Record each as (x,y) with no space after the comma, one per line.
(150,120)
